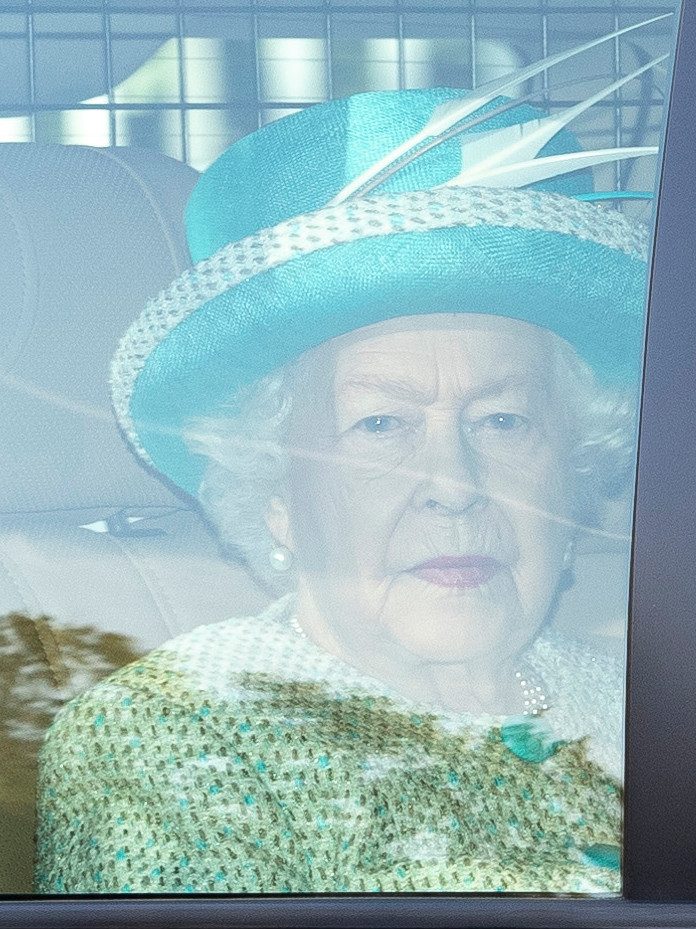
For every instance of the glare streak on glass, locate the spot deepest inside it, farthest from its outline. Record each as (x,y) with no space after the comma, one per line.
(108,60)
(31,66)
(182,78)
(617,106)
(474,49)
(329,51)
(545,50)
(257,61)
(401,44)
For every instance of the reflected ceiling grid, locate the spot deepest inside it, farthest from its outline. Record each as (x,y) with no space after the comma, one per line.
(265,22)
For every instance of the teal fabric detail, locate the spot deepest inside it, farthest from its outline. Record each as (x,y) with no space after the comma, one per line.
(529,740)
(604,856)
(590,295)
(299,163)
(616,195)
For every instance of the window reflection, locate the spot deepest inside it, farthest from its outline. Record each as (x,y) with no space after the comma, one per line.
(420,470)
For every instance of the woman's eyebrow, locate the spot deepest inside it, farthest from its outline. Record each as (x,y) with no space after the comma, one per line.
(398,388)
(493,388)
(414,392)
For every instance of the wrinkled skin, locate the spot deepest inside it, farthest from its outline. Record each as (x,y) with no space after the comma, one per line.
(410,440)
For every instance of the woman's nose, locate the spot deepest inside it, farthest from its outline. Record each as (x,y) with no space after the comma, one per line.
(451,481)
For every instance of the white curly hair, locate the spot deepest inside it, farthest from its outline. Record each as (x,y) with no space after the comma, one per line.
(245,444)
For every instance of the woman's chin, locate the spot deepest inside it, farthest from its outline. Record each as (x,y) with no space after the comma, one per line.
(448,623)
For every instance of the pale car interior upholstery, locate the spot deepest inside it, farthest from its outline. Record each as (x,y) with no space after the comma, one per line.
(99,560)
(114,561)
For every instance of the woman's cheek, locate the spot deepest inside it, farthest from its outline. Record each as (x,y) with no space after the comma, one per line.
(541,542)
(373,508)
(343,518)
(316,511)
(537,505)
(532,484)
(372,502)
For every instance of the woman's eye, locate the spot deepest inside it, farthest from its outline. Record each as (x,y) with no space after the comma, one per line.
(379,425)
(511,423)
(506,422)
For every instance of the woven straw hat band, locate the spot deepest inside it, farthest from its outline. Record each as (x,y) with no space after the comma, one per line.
(370,217)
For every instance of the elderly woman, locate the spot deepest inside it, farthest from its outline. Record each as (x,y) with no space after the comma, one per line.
(397,381)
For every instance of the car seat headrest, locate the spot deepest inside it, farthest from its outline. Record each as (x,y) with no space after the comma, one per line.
(88,236)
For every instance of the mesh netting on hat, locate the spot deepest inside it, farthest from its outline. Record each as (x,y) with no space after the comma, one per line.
(369,217)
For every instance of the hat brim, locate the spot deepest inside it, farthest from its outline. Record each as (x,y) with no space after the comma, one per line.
(591,295)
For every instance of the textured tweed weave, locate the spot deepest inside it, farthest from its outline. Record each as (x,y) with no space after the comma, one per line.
(239,758)
(369,217)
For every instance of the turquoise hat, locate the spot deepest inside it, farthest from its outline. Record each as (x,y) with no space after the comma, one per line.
(378,206)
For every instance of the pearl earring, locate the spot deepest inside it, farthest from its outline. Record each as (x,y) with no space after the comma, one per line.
(280,558)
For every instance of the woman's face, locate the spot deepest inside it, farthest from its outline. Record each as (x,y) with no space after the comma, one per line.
(429,495)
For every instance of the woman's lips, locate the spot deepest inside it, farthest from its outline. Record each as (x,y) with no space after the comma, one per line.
(457,571)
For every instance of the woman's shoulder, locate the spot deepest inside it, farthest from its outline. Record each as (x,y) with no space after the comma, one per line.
(585,683)
(199,666)
(571,661)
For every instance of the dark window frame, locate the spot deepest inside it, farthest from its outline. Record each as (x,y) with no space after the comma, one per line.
(660,839)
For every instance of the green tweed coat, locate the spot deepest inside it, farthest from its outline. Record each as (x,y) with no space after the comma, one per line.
(239,758)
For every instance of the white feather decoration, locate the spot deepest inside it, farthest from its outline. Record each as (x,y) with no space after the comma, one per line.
(484,151)
(443,122)
(541,169)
